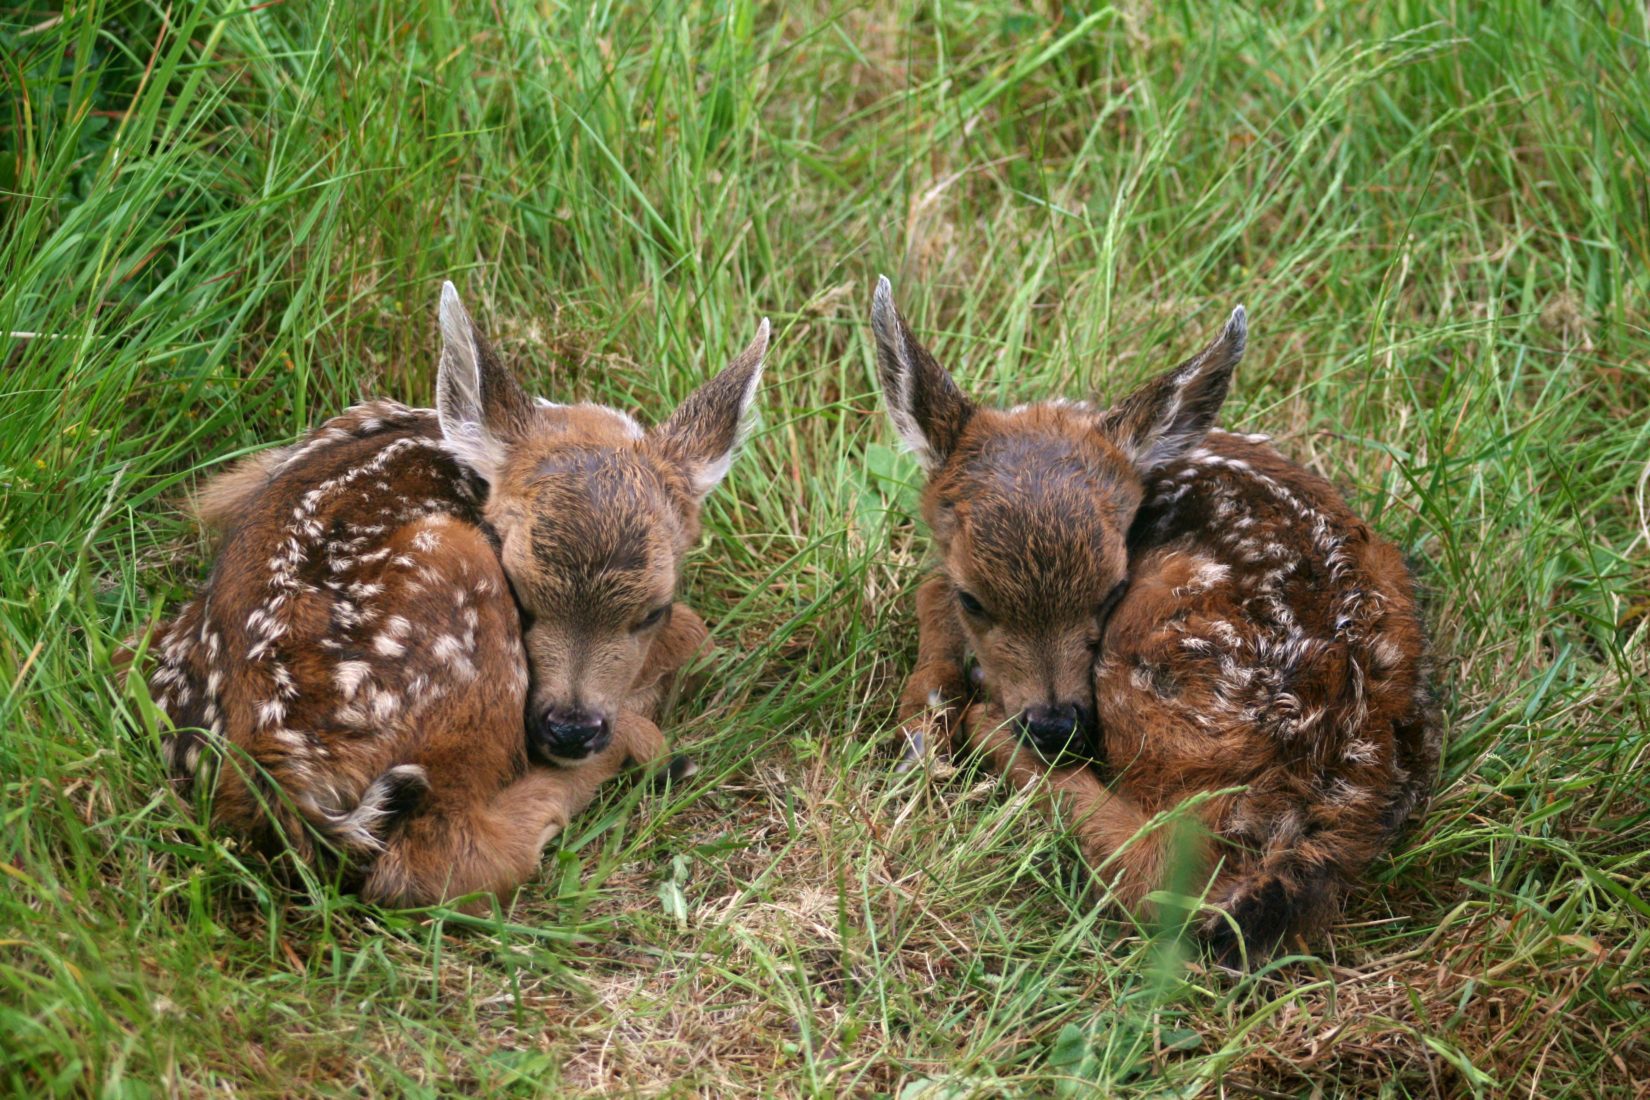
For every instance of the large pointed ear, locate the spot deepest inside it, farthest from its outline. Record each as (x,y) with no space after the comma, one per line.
(928,410)
(482,410)
(704,431)
(1171,414)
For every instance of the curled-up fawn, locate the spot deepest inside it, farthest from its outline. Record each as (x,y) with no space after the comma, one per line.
(356,662)
(1178,605)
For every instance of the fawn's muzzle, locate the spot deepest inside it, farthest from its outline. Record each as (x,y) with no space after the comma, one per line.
(1053,729)
(564,734)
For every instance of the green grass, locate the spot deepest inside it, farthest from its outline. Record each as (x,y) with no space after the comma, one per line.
(228,222)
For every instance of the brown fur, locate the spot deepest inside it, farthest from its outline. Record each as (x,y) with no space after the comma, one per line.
(1182,607)
(356,659)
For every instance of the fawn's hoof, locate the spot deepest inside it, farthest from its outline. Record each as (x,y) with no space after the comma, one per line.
(676,770)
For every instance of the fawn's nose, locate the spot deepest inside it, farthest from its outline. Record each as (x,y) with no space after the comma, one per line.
(1051,729)
(570,733)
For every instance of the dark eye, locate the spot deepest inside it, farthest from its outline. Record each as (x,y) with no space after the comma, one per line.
(653,618)
(527,617)
(970,604)
(1108,604)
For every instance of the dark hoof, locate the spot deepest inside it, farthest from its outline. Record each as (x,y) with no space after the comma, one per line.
(677,770)
(1262,911)
(401,791)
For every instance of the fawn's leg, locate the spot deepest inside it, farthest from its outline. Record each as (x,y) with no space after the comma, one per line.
(495,846)
(937,690)
(1110,827)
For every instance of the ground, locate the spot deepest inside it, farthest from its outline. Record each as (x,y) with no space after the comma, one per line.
(220,224)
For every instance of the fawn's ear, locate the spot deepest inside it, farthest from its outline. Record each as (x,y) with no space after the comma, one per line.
(704,431)
(928,410)
(482,410)
(1171,414)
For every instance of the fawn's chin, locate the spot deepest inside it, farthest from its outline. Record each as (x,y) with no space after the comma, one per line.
(1076,749)
(1079,746)
(568,755)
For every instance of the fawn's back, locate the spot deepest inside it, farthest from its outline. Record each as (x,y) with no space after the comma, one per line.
(355,600)
(1269,641)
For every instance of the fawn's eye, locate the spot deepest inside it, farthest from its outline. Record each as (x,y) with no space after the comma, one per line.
(652,619)
(527,617)
(970,603)
(1107,605)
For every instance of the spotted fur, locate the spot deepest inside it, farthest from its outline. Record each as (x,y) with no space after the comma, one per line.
(1212,628)
(355,665)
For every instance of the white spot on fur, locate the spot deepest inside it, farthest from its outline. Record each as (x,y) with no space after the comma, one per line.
(1360,752)
(1209,573)
(1387,655)
(385,705)
(292,739)
(450,650)
(349,675)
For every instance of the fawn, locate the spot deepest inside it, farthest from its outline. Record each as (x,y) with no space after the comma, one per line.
(357,662)
(1182,606)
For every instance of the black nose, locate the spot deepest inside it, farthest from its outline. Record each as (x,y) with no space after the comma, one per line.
(570,733)
(1051,729)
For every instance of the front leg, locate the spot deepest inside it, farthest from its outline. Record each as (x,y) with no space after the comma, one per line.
(1131,851)
(565,791)
(938,689)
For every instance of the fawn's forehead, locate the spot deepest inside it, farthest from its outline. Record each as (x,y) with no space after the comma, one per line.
(587,423)
(1038,506)
(597,526)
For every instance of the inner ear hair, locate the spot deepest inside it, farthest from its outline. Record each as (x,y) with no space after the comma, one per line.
(705,431)
(928,409)
(1170,414)
(481,408)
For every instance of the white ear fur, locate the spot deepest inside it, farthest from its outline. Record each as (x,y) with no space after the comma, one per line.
(458,391)
(928,410)
(705,431)
(1170,416)
(711,473)
(899,370)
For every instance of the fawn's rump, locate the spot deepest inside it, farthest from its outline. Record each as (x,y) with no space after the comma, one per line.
(1270,641)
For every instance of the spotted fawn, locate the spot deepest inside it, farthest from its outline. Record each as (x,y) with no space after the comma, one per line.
(1176,609)
(430,635)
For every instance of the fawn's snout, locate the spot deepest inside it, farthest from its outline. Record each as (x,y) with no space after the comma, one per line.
(1055,729)
(566,734)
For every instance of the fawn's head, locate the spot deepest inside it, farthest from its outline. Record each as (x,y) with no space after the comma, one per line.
(1030,511)
(594,515)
